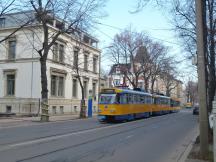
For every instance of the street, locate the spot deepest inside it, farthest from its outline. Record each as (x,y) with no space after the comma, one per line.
(156,139)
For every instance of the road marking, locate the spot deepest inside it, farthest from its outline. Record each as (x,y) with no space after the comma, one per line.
(129,136)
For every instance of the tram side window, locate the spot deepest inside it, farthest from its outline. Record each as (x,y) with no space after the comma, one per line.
(130,98)
(117,98)
(168,103)
(137,99)
(155,100)
(134,98)
(172,103)
(158,101)
(163,102)
(123,99)
(142,99)
(148,99)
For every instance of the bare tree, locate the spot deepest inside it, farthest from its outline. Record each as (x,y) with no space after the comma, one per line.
(123,50)
(144,58)
(68,15)
(168,75)
(191,92)
(151,59)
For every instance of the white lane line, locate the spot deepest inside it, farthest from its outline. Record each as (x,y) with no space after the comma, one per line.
(129,136)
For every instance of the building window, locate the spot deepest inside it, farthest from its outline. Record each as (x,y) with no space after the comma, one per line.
(11,49)
(2,22)
(74,88)
(94,91)
(75,109)
(53,85)
(54,110)
(116,82)
(55,52)
(61,109)
(60,86)
(95,64)
(85,62)
(75,58)
(58,52)
(8,109)
(85,87)
(10,85)
(61,53)
(118,70)
(57,85)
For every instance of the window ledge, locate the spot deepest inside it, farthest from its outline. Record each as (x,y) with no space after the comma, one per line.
(10,60)
(57,97)
(58,62)
(9,96)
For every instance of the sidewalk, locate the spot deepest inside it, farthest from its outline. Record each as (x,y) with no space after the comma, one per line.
(27,121)
(193,153)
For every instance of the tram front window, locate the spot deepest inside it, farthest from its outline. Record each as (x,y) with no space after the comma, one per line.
(107,98)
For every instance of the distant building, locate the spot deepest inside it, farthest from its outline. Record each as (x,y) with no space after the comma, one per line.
(20,83)
(104,82)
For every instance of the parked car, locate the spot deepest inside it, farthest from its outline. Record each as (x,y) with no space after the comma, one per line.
(196,110)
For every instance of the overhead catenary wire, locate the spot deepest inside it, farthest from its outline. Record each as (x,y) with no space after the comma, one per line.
(121,29)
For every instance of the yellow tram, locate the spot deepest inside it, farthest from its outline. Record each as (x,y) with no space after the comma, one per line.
(125,104)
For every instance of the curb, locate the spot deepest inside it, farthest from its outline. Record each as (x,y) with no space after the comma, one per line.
(189,147)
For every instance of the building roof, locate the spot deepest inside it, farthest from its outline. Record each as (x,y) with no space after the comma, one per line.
(17,19)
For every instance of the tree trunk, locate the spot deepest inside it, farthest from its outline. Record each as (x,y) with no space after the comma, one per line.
(82,102)
(146,84)
(152,85)
(82,105)
(44,91)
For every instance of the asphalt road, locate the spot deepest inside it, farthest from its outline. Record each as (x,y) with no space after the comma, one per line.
(156,139)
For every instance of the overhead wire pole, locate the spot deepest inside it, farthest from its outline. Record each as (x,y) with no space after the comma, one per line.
(201,52)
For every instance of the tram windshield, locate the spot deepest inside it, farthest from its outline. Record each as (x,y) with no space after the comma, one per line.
(107,98)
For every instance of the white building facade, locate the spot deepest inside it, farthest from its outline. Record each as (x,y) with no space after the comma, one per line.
(20,76)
